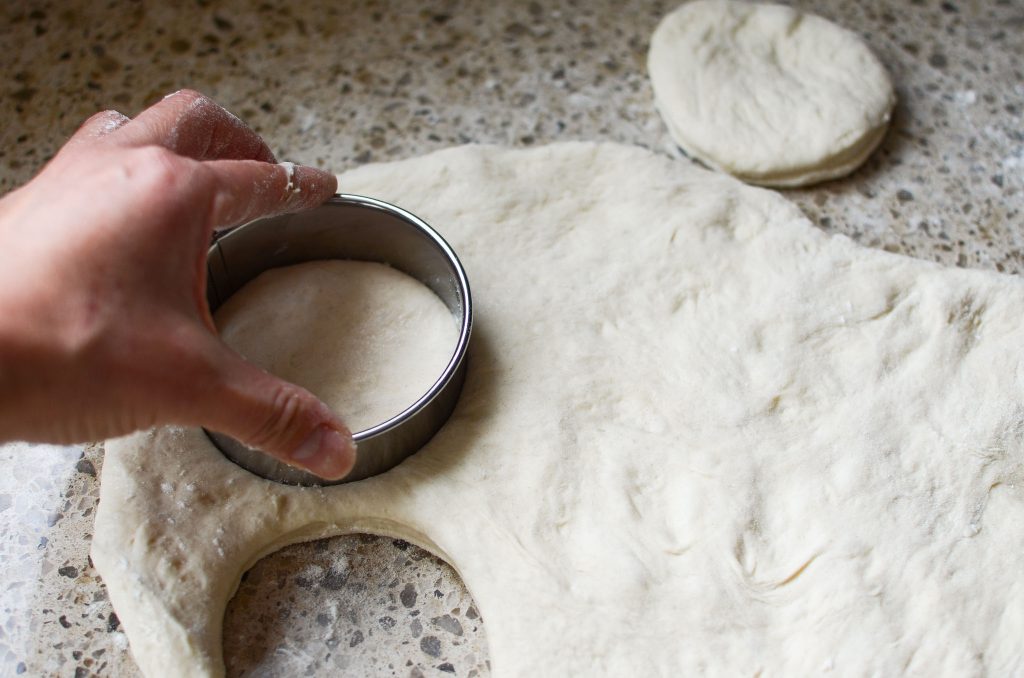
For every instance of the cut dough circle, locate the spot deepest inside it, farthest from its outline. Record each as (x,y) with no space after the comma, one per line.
(697,436)
(767,93)
(365,338)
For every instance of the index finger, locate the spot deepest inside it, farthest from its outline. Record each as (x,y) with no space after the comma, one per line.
(244,191)
(195,126)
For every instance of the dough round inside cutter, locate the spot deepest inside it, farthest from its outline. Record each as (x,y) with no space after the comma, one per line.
(363,229)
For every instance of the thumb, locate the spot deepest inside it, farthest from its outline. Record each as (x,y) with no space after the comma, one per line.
(282,419)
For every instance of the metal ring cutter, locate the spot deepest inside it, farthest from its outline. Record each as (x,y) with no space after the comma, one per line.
(351,227)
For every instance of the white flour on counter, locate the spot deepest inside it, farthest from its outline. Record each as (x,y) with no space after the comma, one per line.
(31,485)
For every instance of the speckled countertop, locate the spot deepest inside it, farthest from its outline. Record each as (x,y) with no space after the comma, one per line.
(340,84)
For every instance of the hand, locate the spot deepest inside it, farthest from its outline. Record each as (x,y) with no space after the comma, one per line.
(104,327)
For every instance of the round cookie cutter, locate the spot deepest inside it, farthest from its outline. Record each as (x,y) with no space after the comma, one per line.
(360,228)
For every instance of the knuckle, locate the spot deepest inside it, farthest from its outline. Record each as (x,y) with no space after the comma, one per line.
(153,158)
(276,427)
(158,169)
(100,124)
(105,116)
(190,96)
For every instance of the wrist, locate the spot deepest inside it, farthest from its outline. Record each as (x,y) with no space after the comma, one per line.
(30,356)
(13,377)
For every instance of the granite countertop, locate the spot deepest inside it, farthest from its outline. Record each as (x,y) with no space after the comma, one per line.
(341,84)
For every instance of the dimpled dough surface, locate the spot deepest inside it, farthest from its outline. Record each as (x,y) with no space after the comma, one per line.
(697,435)
(767,93)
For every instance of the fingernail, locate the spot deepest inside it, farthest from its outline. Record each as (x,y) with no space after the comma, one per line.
(326,452)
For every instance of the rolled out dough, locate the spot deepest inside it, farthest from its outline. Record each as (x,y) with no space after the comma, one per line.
(365,338)
(698,436)
(768,93)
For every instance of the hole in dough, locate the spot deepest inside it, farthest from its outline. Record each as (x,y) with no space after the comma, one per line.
(356,604)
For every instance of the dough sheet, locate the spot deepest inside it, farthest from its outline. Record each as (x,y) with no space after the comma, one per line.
(698,436)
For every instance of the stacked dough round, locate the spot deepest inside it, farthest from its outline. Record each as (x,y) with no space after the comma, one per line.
(766,93)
